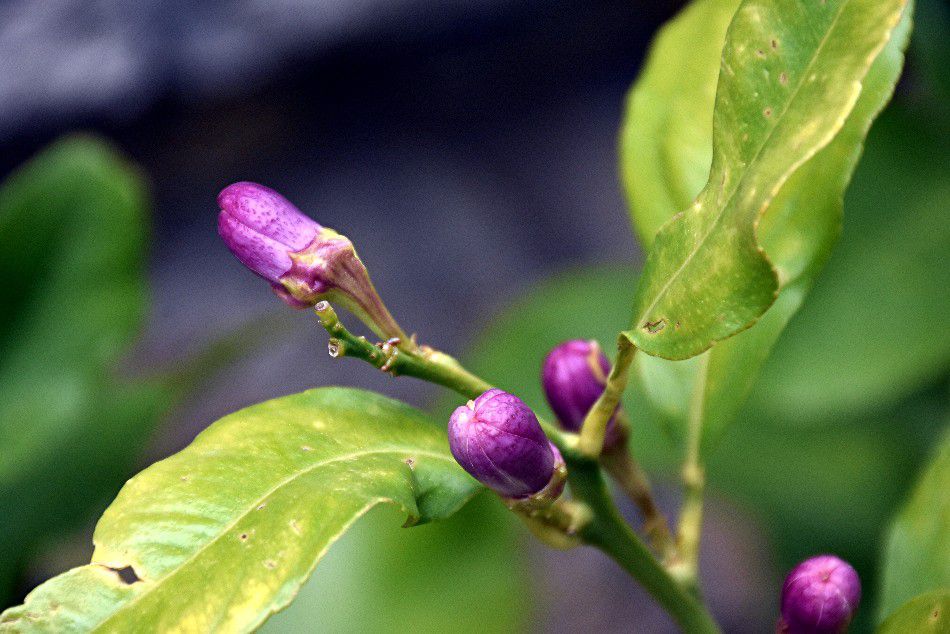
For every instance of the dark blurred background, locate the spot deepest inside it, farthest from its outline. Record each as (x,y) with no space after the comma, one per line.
(469,151)
(467,148)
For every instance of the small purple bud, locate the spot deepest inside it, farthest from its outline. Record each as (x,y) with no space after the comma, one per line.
(303,261)
(262,228)
(820,596)
(498,440)
(574,375)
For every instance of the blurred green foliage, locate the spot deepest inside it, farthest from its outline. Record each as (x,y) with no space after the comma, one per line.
(917,551)
(73,229)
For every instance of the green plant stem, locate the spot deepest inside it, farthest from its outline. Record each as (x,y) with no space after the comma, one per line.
(689,526)
(630,477)
(608,532)
(595,423)
(605,528)
(425,363)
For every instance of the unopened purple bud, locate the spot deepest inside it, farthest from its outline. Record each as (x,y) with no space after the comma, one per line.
(498,440)
(262,228)
(820,596)
(303,261)
(574,376)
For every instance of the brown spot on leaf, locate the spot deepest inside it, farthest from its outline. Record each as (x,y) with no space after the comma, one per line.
(654,327)
(783,78)
(270,564)
(767,112)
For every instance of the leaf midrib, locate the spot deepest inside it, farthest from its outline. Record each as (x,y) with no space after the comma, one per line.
(662,292)
(265,496)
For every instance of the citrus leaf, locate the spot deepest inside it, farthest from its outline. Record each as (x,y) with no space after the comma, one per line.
(789,81)
(923,614)
(798,227)
(917,553)
(666,133)
(224,533)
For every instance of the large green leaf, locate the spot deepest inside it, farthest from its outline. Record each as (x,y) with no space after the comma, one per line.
(926,614)
(788,90)
(72,256)
(917,553)
(799,221)
(224,533)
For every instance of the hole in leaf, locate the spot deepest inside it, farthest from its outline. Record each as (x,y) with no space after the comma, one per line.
(126,574)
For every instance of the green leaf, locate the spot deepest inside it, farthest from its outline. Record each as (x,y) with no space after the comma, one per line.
(917,554)
(788,89)
(666,133)
(927,613)
(72,234)
(799,223)
(228,529)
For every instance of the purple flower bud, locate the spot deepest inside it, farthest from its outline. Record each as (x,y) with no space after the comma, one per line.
(497,439)
(820,596)
(303,261)
(574,375)
(262,228)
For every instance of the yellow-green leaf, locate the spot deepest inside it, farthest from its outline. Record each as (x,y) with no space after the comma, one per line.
(797,226)
(927,614)
(790,80)
(224,533)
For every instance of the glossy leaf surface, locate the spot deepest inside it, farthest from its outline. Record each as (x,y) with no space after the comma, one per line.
(797,226)
(789,87)
(224,533)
